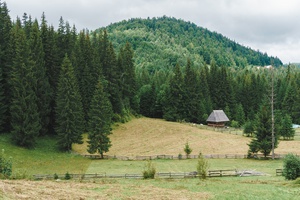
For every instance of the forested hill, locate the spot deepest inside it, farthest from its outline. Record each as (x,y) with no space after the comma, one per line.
(162,42)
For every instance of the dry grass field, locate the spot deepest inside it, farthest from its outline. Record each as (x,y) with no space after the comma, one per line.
(145,136)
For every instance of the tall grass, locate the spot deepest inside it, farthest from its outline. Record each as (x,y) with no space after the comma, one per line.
(44,159)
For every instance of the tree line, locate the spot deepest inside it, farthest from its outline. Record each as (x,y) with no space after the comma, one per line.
(62,83)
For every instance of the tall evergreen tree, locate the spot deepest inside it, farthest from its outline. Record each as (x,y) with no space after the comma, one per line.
(25,120)
(173,110)
(43,89)
(263,132)
(6,53)
(191,95)
(100,121)
(128,79)
(3,107)
(286,130)
(69,111)
(52,65)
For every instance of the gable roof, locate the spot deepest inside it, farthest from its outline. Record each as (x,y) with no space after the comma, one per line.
(217,116)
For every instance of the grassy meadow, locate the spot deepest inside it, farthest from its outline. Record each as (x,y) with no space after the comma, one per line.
(145,136)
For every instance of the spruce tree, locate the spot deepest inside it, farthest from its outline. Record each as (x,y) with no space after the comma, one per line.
(100,121)
(43,89)
(286,130)
(25,120)
(128,78)
(263,132)
(173,110)
(6,52)
(69,111)
(191,95)
(3,107)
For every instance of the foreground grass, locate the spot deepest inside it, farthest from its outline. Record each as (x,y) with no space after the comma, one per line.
(121,167)
(44,159)
(214,188)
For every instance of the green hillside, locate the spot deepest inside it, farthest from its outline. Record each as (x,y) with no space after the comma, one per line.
(162,42)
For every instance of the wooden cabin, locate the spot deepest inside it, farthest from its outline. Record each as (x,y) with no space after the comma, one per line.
(217,119)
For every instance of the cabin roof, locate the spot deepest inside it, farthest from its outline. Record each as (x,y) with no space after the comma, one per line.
(217,116)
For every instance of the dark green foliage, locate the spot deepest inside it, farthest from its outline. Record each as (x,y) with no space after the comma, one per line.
(43,90)
(25,119)
(263,133)
(67,176)
(149,170)
(191,95)
(174,97)
(286,129)
(291,167)
(6,53)
(5,166)
(2,103)
(239,115)
(100,121)
(69,111)
(248,128)
(128,79)
(147,100)
(55,176)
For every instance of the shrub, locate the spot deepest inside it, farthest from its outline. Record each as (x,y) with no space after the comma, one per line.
(67,176)
(187,150)
(291,167)
(55,176)
(180,156)
(235,124)
(149,171)
(5,166)
(202,166)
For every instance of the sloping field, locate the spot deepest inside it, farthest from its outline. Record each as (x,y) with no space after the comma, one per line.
(146,136)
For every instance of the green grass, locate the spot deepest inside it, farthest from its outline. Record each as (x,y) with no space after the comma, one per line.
(44,159)
(122,167)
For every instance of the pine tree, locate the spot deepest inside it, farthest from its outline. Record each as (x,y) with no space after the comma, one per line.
(286,130)
(100,121)
(43,89)
(263,132)
(25,120)
(6,52)
(173,110)
(191,95)
(3,107)
(128,78)
(69,111)
(52,65)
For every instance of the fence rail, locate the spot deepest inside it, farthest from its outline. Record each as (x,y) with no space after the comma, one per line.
(171,175)
(178,157)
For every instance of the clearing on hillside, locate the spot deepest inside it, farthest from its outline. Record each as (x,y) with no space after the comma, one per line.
(146,136)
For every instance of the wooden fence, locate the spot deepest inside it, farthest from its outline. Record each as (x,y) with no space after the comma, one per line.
(178,157)
(171,175)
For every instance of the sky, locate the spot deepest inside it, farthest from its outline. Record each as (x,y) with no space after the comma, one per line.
(270,26)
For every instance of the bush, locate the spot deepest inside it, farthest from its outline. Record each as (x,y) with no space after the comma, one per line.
(67,176)
(202,167)
(55,176)
(5,166)
(149,171)
(187,150)
(180,156)
(291,167)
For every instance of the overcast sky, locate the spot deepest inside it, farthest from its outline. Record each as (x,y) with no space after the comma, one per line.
(272,26)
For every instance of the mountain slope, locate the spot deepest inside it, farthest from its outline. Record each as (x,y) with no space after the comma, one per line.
(161,42)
